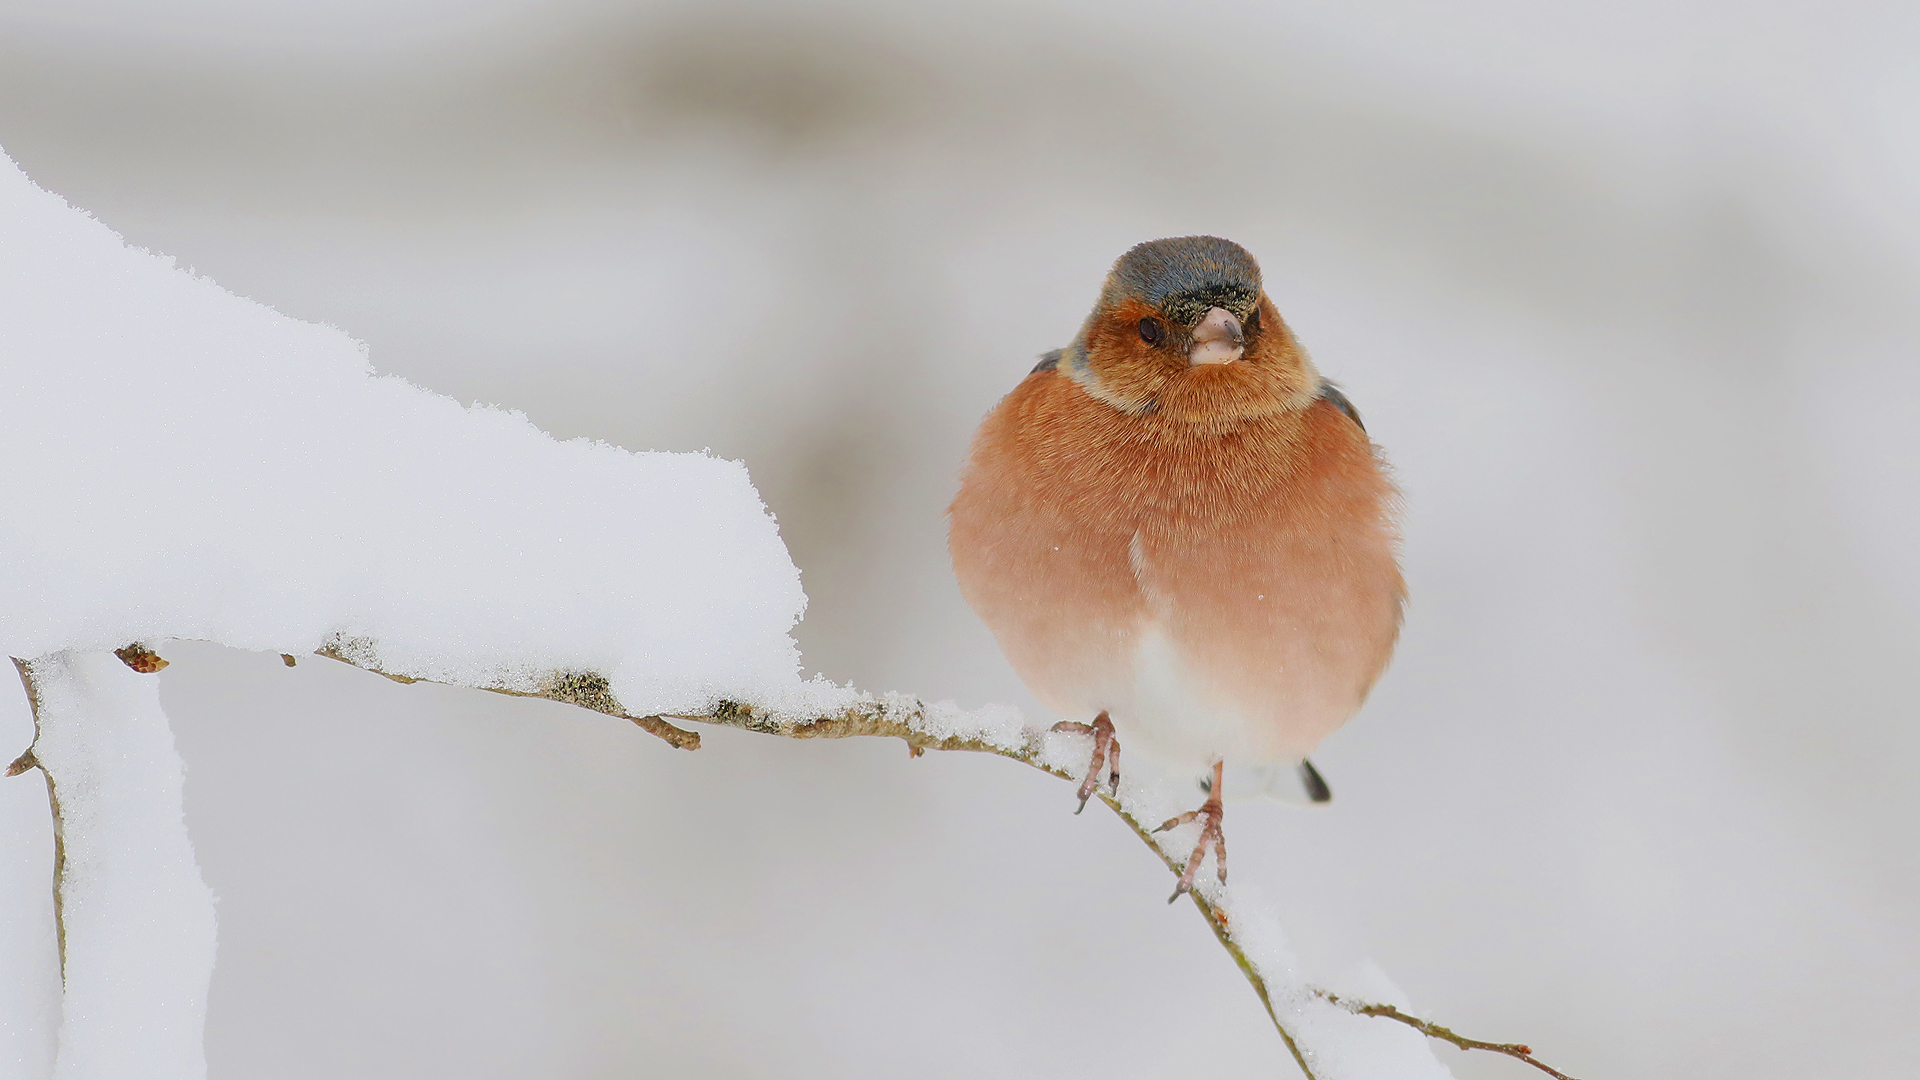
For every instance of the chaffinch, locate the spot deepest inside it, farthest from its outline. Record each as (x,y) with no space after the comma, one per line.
(1177,527)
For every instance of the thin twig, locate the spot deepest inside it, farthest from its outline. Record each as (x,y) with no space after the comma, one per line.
(585,689)
(1431,1030)
(1216,922)
(895,718)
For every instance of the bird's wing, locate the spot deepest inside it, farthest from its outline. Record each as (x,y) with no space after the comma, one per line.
(1048,362)
(1333,394)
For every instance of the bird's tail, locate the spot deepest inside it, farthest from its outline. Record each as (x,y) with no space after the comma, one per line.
(1298,782)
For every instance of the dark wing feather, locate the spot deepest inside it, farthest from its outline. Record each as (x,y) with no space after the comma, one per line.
(1047,362)
(1330,392)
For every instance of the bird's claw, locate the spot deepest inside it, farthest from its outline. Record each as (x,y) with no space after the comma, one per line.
(1176,822)
(1211,812)
(1106,749)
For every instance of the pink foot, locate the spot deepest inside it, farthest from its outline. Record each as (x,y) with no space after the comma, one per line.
(1105,748)
(1211,811)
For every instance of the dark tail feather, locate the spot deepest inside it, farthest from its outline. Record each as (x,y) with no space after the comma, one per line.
(1310,778)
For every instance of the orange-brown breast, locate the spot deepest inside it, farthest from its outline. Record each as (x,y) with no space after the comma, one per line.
(1225,590)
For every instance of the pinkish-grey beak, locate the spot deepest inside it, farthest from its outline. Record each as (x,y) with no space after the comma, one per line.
(1218,339)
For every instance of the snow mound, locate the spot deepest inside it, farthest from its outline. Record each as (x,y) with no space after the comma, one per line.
(180,462)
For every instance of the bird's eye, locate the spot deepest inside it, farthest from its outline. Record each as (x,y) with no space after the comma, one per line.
(1151,331)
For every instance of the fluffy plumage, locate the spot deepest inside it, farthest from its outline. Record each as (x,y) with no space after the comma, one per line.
(1203,550)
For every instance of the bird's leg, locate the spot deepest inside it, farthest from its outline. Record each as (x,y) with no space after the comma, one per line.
(1211,812)
(1106,748)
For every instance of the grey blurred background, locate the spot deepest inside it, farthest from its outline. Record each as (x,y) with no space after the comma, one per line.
(1625,290)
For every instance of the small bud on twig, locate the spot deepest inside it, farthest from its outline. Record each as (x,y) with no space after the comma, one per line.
(140,658)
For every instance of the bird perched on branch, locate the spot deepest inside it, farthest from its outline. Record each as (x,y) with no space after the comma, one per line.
(1178,530)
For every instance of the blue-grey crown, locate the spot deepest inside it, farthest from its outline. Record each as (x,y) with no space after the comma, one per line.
(1185,276)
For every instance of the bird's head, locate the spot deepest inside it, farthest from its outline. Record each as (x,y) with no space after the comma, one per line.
(1183,329)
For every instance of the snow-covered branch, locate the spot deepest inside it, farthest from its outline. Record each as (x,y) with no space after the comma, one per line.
(846,714)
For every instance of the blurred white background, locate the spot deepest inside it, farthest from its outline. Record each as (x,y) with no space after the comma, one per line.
(1626,291)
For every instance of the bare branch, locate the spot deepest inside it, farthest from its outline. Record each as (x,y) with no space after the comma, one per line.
(1432,1030)
(899,718)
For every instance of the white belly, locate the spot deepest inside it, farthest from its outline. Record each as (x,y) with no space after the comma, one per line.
(1172,715)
